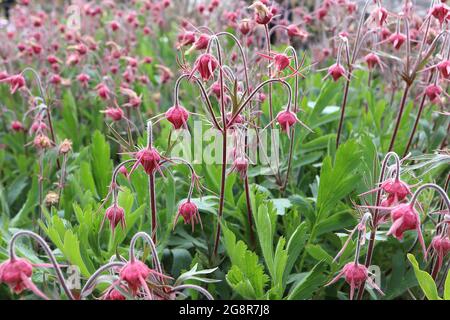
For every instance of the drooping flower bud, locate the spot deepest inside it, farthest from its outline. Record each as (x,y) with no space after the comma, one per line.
(16,82)
(16,273)
(336,71)
(149,158)
(433,91)
(135,273)
(444,68)
(441,245)
(83,78)
(115,215)
(17,126)
(397,39)
(404,217)
(372,60)
(440,11)
(240,165)
(189,211)
(205,65)
(281,61)
(103,91)
(262,14)
(355,274)
(178,116)
(115,114)
(286,119)
(396,188)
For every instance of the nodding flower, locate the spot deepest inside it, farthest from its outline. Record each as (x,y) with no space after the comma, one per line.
(444,68)
(441,246)
(16,273)
(115,114)
(240,165)
(205,65)
(149,158)
(83,79)
(17,126)
(396,189)
(115,216)
(440,11)
(189,211)
(186,38)
(245,26)
(177,116)
(404,217)
(355,274)
(113,294)
(16,82)
(433,92)
(262,14)
(397,39)
(135,274)
(295,32)
(202,42)
(336,71)
(372,60)
(380,15)
(280,61)
(286,119)
(103,91)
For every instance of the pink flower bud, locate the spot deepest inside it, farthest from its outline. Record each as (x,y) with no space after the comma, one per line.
(440,11)
(397,39)
(336,71)
(433,91)
(286,119)
(16,82)
(17,126)
(189,211)
(281,61)
(396,188)
(262,14)
(205,64)
(444,68)
(83,79)
(115,114)
(115,215)
(372,60)
(103,91)
(16,273)
(177,115)
(240,165)
(149,158)
(441,245)
(134,273)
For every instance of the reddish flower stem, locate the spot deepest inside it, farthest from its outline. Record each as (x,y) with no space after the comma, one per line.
(416,122)
(399,116)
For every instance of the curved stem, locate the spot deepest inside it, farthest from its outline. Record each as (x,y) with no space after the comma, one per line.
(194,287)
(48,251)
(146,237)
(97,273)
(399,116)
(441,192)
(374,228)
(416,122)
(247,100)
(203,91)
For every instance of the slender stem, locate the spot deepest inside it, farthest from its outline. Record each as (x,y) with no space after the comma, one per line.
(373,232)
(350,62)
(146,237)
(193,287)
(292,140)
(416,122)
(434,268)
(343,106)
(152,195)
(399,116)
(48,251)
(96,274)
